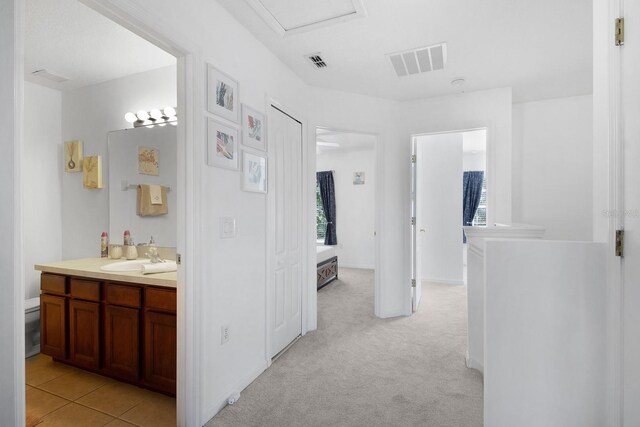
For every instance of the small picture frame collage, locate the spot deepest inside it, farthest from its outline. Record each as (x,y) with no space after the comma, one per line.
(231,124)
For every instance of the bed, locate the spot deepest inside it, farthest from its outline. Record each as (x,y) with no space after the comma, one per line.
(327,265)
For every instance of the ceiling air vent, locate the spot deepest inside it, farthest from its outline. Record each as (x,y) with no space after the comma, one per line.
(49,75)
(421,60)
(316,60)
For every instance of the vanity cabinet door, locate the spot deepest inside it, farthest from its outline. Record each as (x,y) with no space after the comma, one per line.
(53,326)
(160,350)
(84,333)
(121,329)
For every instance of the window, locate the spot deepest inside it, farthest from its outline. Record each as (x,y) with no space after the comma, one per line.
(321,220)
(480,219)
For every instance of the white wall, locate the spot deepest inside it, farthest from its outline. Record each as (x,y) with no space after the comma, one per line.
(355,204)
(89,114)
(552,154)
(123,159)
(474,162)
(42,152)
(439,207)
(545,333)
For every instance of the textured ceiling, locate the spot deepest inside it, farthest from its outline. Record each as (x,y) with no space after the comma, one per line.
(69,39)
(542,48)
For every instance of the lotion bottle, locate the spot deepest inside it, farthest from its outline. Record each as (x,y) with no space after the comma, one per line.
(104,245)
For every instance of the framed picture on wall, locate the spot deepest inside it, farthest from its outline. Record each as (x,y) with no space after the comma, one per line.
(222,95)
(222,145)
(254,172)
(253,129)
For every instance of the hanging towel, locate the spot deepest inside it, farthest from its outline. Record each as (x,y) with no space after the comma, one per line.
(146,207)
(155,194)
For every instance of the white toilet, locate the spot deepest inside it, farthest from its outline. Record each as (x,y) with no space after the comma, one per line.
(32,326)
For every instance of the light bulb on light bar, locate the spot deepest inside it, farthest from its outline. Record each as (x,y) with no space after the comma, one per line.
(169,111)
(156,114)
(130,117)
(147,123)
(142,115)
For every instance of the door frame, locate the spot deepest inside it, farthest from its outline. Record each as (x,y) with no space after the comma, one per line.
(191,87)
(491,199)
(616,211)
(377,206)
(305,311)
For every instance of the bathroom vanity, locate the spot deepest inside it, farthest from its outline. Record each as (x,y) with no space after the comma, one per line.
(118,324)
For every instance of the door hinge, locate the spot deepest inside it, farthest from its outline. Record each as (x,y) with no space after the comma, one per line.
(413,283)
(620,243)
(178,259)
(413,220)
(413,158)
(619,31)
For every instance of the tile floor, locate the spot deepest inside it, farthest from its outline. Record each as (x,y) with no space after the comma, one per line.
(59,395)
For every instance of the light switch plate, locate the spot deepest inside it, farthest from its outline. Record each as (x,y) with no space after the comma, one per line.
(227,227)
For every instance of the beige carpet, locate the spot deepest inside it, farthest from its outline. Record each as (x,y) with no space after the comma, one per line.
(357,370)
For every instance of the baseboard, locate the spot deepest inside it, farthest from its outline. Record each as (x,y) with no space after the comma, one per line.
(221,402)
(444,281)
(474,364)
(360,266)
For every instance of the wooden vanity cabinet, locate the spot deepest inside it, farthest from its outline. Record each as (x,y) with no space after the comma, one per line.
(125,331)
(53,326)
(160,343)
(122,330)
(84,323)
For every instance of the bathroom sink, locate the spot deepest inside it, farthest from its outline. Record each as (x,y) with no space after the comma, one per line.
(133,265)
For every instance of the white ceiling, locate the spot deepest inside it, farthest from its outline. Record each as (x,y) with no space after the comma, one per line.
(346,141)
(542,48)
(69,39)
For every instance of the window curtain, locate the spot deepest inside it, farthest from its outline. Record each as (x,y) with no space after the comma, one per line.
(471,192)
(328,196)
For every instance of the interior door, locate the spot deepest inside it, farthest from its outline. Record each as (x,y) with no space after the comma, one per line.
(416,234)
(631,214)
(285,185)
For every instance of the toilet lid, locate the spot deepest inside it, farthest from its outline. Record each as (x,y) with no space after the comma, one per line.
(31,304)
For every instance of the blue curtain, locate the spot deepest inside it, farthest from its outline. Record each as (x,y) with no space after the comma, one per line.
(471,192)
(328,196)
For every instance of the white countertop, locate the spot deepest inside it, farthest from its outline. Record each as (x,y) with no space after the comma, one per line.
(90,268)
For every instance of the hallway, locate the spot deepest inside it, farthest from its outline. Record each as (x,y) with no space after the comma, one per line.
(357,370)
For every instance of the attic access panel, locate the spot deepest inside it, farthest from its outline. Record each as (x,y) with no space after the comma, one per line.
(288,17)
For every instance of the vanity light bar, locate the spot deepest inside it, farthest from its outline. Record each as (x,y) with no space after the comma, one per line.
(155,117)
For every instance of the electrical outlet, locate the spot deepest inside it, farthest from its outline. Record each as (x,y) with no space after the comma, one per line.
(225,334)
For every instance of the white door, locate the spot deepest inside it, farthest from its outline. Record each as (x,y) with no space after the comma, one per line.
(285,188)
(631,218)
(416,235)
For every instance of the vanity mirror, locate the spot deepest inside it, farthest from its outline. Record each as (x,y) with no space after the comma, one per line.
(143,155)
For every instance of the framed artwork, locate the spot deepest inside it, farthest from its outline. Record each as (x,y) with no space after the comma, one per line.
(253,129)
(254,172)
(358,178)
(73,156)
(222,95)
(148,161)
(222,145)
(92,172)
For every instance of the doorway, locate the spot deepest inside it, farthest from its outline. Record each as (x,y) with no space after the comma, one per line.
(147,25)
(449,191)
(346,208)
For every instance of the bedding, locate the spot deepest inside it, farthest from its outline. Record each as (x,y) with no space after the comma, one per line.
(325,253)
